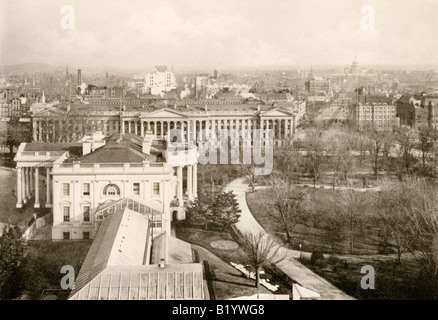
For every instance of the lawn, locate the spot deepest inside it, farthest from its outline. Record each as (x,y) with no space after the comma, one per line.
(313,237)
(41,267)
(393,281)
(227,281)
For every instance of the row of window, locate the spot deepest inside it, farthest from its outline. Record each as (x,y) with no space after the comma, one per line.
(111,189)
(85,213)
(85,235)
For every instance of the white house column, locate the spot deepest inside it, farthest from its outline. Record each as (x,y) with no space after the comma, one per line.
(39,131)
(23,185)
(37,192)
(27,172)
(293,124)
(48,199)
(155,127)
(135,127)
(129,126)
(19,198)
(123,126)
(34,130)
(189,182)
(142,128)
(195,180)
(180,186)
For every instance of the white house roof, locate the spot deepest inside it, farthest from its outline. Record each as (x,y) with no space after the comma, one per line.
(115,266)
(120,240)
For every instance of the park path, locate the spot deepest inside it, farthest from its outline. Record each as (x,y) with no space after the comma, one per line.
(290,265)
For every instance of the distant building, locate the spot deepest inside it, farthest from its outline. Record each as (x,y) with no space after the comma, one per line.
(159,81)
(375,116)
(418,111)
(316,84)
(318,89)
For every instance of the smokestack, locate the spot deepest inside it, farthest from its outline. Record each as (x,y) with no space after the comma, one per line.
(79,77)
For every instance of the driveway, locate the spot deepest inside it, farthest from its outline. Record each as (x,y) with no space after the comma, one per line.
(290,265)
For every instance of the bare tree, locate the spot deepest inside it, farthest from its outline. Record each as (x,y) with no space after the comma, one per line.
(288,162)
(341,156)
(315,152)
(406,140)
(360,144)
(249,173)
(289,204)
(391,203)
(351,206)
(415,203)
(379,146)
(262,251)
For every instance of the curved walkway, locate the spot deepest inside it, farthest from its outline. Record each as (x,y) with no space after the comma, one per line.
(290,266)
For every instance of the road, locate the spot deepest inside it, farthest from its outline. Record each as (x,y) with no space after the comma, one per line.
(290,265)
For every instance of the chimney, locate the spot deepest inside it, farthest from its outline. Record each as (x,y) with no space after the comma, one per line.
(162,264)
(79,77)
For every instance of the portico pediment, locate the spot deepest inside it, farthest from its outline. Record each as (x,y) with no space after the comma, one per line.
(275,113)
(163,113)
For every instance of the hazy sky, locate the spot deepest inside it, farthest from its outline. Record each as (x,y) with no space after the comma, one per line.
(218,33)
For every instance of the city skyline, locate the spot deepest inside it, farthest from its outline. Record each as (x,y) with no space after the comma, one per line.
(213,34)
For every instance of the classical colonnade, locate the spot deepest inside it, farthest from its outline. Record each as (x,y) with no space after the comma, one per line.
(44,130)
(282,128)
(192,184)
(28,186)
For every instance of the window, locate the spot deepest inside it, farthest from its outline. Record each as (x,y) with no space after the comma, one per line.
(156,189)
(66,214)
(86,213)
(111,190)
(86,189)
(136,189)
(157,224)
(86,235)
(66,189)
(66,235)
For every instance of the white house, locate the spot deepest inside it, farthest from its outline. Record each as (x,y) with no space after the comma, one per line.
(83,180)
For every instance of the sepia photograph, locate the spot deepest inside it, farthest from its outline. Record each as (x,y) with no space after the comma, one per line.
(215,150)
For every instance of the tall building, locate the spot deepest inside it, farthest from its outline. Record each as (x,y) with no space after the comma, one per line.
(159,81)
(375,116)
